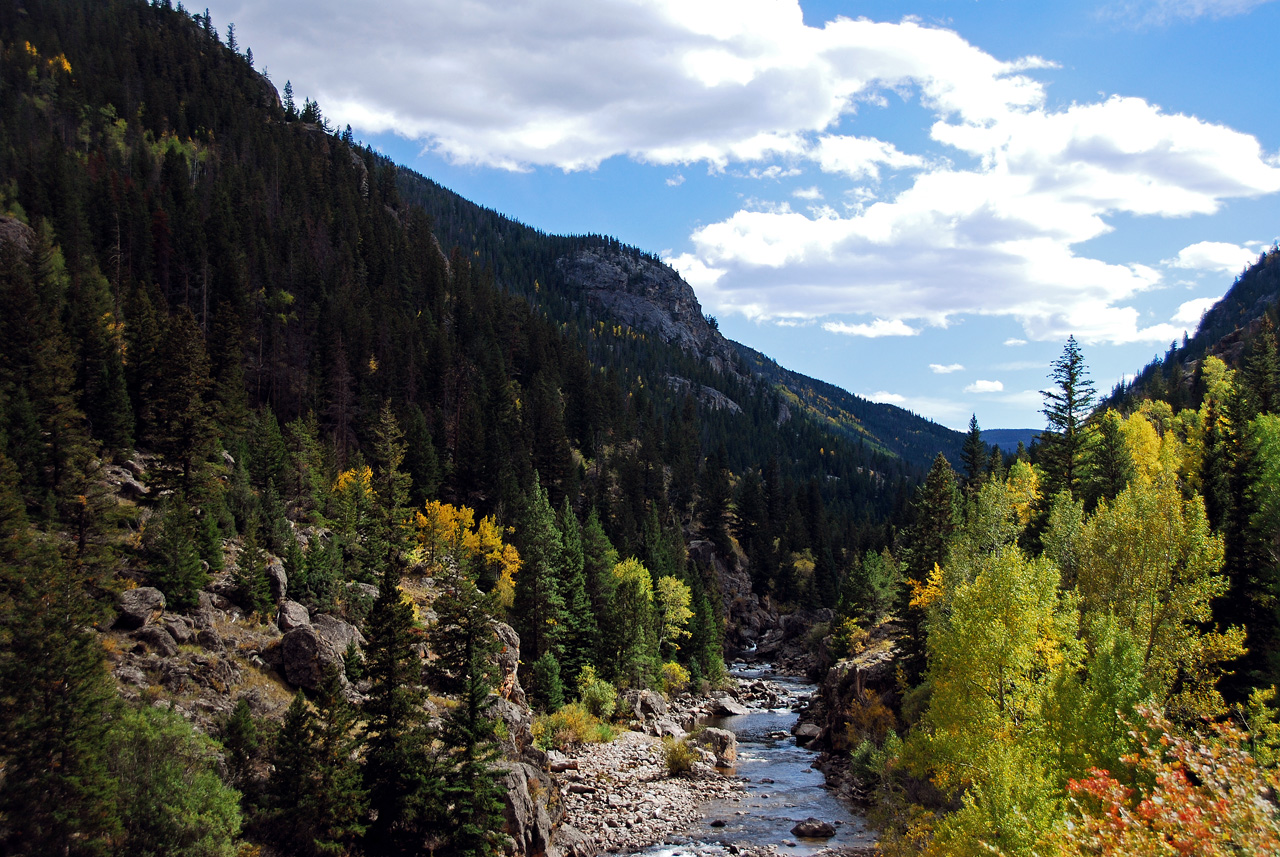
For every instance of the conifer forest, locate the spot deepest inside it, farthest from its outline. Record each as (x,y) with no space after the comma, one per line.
(326,494)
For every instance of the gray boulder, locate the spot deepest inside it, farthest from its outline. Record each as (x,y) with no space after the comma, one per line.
(276,578)
(338,633)
(806,732)
(292,615)
(179,628)
(211,640)
(303,655)
(646,703)
(725,707)
(722,742)
(157,639)
(812,828)
(139,607)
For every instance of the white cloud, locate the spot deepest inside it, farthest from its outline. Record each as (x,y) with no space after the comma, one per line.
(887,397)
(675,181)
(1013,341)
(999,198)
(879,327)
(1214,256)
(814,192)
(940,369)
(984,387)
(1189,312)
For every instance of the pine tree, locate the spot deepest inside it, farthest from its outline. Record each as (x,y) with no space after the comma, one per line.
(974,457)
(539,603)
(1261,374)
(1067,407)
(937,508)
(56,699)
(397,771)
(713,502)
(337,798)
(391,490)
(175,567)
(582,635)
(466,646)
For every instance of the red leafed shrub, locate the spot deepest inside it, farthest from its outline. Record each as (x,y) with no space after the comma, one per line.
(1196,798)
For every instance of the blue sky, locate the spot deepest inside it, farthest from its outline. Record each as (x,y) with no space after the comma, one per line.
(918,201)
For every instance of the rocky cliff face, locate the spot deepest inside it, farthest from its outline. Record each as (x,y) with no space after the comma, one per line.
(648,295)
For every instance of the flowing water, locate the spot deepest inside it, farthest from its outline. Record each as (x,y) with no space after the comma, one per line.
(782,788)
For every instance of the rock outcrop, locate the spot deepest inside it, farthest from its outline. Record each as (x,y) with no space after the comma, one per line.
(645,294)
(139,607)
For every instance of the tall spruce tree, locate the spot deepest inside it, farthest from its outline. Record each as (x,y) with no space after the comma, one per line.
(1067,406)
(937,516)
(974,457)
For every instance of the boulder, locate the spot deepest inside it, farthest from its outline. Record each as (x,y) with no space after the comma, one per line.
(179,628)
(509,663)
(806,732)
(303,656)
(726,707)
(211,640)
(276,578)
(812,828)
(157,639)
(338,633)
(667,728)
(646,703)
(140,607)
(292,615)
(722,742)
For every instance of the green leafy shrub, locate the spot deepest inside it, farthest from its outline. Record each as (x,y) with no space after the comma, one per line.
(599,696)
(678,756)
(573,724)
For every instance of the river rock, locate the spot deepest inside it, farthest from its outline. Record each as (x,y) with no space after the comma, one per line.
(812,828)
(725,707)
(806,732)
(646,703)
(139,607)
(292,615)
(722,742)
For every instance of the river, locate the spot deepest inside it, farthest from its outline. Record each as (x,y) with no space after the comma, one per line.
(782,788)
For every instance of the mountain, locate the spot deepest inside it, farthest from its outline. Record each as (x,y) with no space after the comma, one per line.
(1227,330)
(1008,439)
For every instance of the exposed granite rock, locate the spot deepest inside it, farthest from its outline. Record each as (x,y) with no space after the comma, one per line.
(722,743)
(527,809)
(277,579)
(139,607)
(645,294)
(292,615)
(304,654)
(509,664)
(812,828)
(157,639)
(338,633)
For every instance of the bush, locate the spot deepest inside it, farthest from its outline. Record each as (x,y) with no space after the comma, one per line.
(678,756)
(848,640)
(675,679)
(573,724)
(546,692)
(599,697)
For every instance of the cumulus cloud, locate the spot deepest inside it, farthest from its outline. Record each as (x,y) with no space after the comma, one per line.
(985,387)
(1000,197)
(874,330)
(1014,341)
(1214,256)
(814,192)
(1189,312)
(887,397)
(940,369)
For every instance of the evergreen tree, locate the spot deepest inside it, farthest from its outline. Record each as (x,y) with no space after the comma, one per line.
(539,603)
(391,489)
(336,799)
(974,457)
(713,502)
(57,795)
(1067,407)
(242,740)
(184,431)
(1261,374)
(582,635)
(175,567)
(397,771)
(466,646)
(937,510)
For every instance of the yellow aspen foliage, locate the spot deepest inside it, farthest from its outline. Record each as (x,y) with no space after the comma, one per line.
(926,593)
(1023,490)
(447,532)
